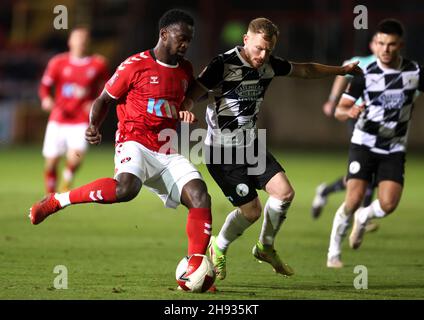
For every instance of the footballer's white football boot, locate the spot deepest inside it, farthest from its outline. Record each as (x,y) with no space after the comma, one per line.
(334,262)
(357,233)
(319,201)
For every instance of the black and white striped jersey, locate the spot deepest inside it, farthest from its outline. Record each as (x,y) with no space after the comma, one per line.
(388,95)
(238,92)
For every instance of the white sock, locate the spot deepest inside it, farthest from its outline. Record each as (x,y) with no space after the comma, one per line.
(274,215)
(341,223)
(63,199)
(233,227)
(372,211)
(68,175)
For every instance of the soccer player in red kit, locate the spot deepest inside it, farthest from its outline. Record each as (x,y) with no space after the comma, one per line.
(77,79)
(148,89)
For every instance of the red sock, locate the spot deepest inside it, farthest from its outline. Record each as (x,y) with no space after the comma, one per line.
(102,191)
(50,179)
(199,227)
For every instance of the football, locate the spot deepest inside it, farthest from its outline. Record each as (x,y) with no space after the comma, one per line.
(195,273)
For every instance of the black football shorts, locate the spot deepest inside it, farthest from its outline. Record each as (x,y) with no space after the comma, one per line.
(363,164)
(240,178)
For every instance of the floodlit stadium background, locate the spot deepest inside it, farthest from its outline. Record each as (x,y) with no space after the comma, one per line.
(130,250)
(320,30)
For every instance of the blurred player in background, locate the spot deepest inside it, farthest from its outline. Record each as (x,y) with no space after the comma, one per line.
(239,79)
(339,86)
(148,89)
(71,81)
(378,144)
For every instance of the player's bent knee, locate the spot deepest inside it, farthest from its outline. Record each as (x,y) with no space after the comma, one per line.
(285,195)
(127,191)
(252,211)
(200,199)
(351,205)
(288,196)
(388,206)
(195,195)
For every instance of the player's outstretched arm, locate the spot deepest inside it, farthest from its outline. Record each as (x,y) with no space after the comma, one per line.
(98,113)
(348,109)
(316,70)
(339,86)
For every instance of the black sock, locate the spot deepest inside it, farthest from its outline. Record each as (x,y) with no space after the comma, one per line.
(337,185)
(369,195)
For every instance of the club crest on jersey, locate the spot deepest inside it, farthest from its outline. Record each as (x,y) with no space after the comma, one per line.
(161,108)
(154,79)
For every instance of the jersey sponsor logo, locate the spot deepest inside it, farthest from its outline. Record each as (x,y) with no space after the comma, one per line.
(154,79)
(161,108)
(392,100)
(242,189)
(354,167)
(249,91)
(73,90)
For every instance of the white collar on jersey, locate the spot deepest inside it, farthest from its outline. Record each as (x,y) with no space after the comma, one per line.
(79,61)
(387,69)
(238,49)
(247,64)
(152,54)
(167,65)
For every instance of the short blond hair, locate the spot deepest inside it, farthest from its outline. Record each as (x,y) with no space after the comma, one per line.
(264,26)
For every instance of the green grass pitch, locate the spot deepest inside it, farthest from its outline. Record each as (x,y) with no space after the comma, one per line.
(130,250)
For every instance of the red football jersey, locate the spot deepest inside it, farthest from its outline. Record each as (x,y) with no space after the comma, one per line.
(149,94)
(76,82)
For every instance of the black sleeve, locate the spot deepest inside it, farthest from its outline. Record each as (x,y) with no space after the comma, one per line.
(213,74)
(356,87)
(281,66)
(421,81)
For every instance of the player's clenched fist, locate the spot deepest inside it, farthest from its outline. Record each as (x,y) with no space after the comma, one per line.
(353,69)
(92,135)
(355,111)
(187,116)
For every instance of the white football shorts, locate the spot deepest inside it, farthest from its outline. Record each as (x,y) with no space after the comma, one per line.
(163,174)
(62,137)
